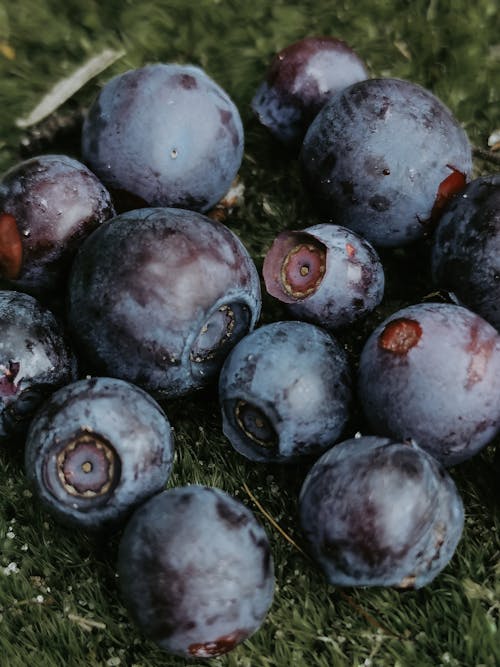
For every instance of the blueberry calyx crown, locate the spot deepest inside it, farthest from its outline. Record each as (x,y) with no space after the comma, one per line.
(217,330)
(86,467)
(222,329)
(303,269)
(294,266)
(254,424)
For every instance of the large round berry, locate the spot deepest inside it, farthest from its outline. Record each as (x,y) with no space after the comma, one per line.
(376,512)
(196,571)
(326,274)
(382,156)
(96,449)
(300,79)
(159,297)
(48,205)
(466,251)
(285,392)
(164,135)
(431,372)
(35,359)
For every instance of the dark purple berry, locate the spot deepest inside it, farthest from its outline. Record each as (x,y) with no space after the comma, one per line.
(285,392)
(48,205)
(35,359)
(431,372)
(382,157)
(164,135)
(300,79)
(196,571)
(97,449)
(158,297)
(380,513)
(466,250)
(326,274)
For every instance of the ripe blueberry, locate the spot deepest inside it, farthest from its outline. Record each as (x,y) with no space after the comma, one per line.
(299,81)
(96,449)
(285,392)
(431,372)
(48,205)
(382,156)
(326,274)
(196,571)
(35,359)
(158,297)
(377,512)
(164,135)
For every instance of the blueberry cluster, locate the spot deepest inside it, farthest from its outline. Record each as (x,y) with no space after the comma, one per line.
(123,291)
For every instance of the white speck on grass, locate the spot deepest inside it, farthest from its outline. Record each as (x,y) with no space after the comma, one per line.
(11,568)
(494,138)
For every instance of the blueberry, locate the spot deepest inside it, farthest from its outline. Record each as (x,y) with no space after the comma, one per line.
(382,156)
(376,512)
(48,205)
(299,81)
(285,392)
(96,449)
(326,274)
(466,249)
(35,359)
(158,297)
(196,571)
(431,372)
(164,135)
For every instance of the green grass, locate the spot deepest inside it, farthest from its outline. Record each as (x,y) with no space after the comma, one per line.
(59,601)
